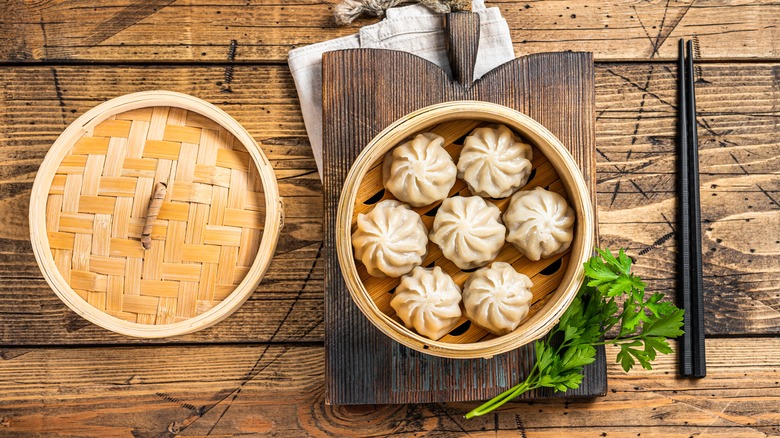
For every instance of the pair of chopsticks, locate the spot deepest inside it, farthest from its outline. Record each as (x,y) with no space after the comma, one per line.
(693,362)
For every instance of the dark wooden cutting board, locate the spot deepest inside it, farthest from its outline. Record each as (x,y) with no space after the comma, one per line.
(364,91)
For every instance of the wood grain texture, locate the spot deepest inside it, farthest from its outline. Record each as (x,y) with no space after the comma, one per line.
(461,37)
(116,391)
(277,390)
(356,107)
(739,184)
(635,129)
(265,30)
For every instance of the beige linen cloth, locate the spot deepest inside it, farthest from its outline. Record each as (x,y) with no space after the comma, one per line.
(415,29)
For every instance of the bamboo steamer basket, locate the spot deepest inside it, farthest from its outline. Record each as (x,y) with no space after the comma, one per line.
(556,279)
(214,234)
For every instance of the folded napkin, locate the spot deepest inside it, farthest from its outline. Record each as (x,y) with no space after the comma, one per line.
(415,29)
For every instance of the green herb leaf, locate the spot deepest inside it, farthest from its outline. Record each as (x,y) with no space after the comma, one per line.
(630,351)
(644,328)
(598,272)
(578,356)
(667,326)
(623,261)
(658,307)
(620,286)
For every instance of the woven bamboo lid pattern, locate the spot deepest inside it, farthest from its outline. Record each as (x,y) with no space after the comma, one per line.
(212,239)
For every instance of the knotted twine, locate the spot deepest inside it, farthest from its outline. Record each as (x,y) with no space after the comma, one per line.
(348,10)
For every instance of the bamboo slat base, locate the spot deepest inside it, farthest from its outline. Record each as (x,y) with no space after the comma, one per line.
(546,274)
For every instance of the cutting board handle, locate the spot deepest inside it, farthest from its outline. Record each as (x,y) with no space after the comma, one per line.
(461,31)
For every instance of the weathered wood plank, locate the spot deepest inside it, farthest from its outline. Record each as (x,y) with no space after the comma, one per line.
(738,108)
(740,183)
(265,30)
(277,390)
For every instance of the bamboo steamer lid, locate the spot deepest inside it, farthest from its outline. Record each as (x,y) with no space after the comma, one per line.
(214,234)
(556,279)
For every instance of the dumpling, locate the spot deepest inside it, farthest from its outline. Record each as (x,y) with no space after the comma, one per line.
(494,163)
(468,230)
(497,298)
(540,223)
(390,240)
(419,172)
(428,301)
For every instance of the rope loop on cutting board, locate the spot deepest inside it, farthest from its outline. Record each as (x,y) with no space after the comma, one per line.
(348,10)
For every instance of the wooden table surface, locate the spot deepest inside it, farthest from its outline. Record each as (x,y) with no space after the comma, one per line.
(261,371)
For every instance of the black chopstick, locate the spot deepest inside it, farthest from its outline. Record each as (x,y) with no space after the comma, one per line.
(697,284)
(692,349)
(684,268)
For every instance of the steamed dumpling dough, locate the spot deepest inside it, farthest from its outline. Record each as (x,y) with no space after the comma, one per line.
(496,298)
(494,162)
(540,223)
(428,300)
(468,230)
(419,172)
(390,240)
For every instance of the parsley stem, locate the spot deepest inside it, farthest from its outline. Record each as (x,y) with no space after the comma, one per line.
(502,398)
(560,347)
(530,382)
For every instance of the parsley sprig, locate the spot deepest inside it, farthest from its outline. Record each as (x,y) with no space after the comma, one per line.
(644,323)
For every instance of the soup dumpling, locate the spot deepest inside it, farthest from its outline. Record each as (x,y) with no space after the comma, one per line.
(428,301)
(497,298)
(390,240)
(494,163)
(420,171)
(468,230)
(540,223)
